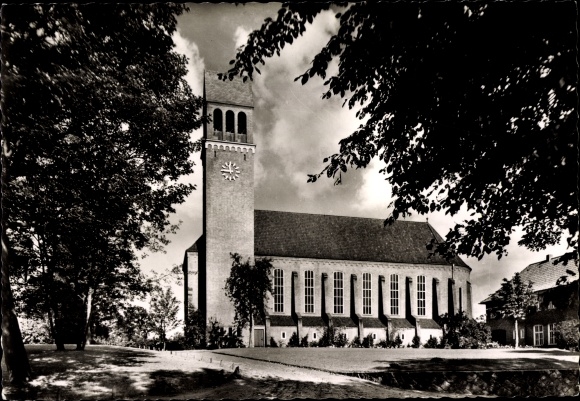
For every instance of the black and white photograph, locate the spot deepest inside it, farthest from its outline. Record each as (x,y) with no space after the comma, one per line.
(302,200)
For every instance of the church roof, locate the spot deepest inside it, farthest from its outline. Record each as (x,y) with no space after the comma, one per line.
(234,92)
(545,274)
(317,236)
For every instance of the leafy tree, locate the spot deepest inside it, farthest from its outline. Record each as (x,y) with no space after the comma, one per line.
(163,310)
(195,328)
(247,287)
(460,331)
(466,104)
(135,324)
(95,135)
(515,300)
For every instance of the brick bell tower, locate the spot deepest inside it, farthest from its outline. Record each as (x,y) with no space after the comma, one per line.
(228,190)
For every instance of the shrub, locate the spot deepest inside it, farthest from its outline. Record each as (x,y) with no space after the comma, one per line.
(332,337)
(383,344)
(304,341)
(294,341)
(368,341)
(215,334)
(273,343)
(35,331)
(459,331)
(567,335)
(314,344)
(432,343)
(416,342)
(355,343)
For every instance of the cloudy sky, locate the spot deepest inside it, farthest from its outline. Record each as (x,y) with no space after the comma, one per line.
(294,129)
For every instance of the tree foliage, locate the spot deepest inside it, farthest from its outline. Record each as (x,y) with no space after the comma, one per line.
(194,330)
(460,331)
(97,118)
(515,300)
(247,287)
(466,104)
(163,309)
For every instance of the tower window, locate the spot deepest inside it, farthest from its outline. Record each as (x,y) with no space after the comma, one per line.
(218,120)
(308,291)
(338,293)
(230,121)
(278,290)
(421,296)
(460,300)
(394,294)
(242,125)
(366,294)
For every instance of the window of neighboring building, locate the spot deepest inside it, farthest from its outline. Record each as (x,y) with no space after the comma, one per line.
(538,335)
(314,336)
(394,294)
(421,296)
(338,292)
(460,299)
(367,310)
(242,123)
(551,334)
(218,120)
(230,121)
(278,290)
(374,336)
(308,291)
(283,335)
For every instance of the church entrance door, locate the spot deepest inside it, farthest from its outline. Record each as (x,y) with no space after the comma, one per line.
(258,337)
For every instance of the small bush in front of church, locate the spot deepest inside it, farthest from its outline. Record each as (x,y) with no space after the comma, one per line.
(294,341)
(368,341)
(273,343)
(355,343)
(304,342)
(432,343)
(416,342)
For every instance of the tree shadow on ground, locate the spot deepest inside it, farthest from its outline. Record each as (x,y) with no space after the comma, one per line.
(441,364)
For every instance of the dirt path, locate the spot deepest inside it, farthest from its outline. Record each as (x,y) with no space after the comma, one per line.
(103,372)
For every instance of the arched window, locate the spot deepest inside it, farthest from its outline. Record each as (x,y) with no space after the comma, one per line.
(218,120)
(230,121)
(242,123)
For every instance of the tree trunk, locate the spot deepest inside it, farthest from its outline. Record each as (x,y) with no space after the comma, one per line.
(85,329)
(13,351)
(517,333)
(251,345)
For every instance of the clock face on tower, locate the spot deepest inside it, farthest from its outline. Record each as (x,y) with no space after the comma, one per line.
(230,171)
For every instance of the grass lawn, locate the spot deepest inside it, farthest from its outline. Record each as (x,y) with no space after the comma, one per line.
(348,360)
(113,373)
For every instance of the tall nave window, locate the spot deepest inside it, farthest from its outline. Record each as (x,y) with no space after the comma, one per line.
(367,310)
(394,294)
(421,295)
(338,293)
(308,291)
(278,290)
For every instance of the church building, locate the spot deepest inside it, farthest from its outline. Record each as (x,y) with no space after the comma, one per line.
(347,272)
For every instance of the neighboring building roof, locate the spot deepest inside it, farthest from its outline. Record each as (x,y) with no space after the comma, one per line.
(234,92)
(317,236)
(343,321)
(401,323)
(545,274)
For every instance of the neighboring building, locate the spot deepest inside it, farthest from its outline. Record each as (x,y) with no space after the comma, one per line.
(352,273)
(557,303)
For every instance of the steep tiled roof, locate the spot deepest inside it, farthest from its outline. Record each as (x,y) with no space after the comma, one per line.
(399,323)
(313,321)
(428,324)
(281,320)
(343,321)
(234,92)
(343,238)
(545,274)
(373,323)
